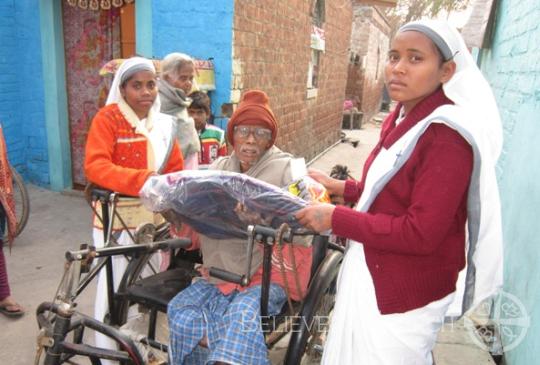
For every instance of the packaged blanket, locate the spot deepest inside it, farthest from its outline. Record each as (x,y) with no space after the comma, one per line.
(220,204)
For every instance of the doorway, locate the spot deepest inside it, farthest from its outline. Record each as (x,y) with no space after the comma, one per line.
(91,39)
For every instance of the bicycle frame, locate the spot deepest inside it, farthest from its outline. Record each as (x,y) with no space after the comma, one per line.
(69,320)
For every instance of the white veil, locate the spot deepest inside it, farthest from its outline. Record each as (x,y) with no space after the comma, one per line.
(471,93)
(130,66)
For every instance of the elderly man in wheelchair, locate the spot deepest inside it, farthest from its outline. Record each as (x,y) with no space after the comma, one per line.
(215,321)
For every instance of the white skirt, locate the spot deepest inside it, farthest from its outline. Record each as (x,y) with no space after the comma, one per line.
(359,334)
(101,305)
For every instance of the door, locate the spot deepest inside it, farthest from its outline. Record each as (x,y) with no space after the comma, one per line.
(91,39)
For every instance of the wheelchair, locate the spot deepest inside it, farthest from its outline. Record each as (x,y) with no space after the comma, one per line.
(62,327)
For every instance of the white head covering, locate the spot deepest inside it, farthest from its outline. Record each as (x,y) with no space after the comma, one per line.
(159,134)
(467,88)
(126,70)
(478,116)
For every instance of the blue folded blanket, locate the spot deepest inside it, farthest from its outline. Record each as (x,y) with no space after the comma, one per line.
(206,200)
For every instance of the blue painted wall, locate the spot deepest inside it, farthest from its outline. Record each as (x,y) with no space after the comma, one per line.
(21,89)
(513,68)
(202,29)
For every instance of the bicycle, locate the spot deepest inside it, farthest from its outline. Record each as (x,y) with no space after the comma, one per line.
(20,194)
(22,201)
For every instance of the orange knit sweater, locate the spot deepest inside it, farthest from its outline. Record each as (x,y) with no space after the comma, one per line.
(116,155)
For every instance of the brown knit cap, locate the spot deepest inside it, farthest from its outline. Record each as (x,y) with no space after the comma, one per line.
(253,109)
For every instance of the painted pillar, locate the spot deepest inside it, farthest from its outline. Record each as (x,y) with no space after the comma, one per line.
(56,115)
(143,28)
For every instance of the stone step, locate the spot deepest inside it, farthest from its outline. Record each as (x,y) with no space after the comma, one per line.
(457,346)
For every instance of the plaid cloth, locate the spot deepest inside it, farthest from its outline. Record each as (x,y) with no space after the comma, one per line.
(231,323)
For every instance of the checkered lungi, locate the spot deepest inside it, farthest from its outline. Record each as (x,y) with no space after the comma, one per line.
(230,322)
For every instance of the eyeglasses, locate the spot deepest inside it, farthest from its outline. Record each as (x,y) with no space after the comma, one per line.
(260,134)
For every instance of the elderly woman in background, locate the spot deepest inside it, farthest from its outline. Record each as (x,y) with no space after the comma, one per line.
(177,72)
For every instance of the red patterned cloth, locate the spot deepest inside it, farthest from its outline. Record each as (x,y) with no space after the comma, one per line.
(116,156)
(6,191)
(91,38)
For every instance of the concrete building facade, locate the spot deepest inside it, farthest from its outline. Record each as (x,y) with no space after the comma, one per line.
(368,50)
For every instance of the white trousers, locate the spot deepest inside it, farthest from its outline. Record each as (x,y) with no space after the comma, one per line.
(360,335)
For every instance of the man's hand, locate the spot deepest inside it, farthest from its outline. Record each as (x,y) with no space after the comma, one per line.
(316,217)
(333,186)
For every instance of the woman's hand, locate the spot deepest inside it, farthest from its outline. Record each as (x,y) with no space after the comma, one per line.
(316,217)
(335,187)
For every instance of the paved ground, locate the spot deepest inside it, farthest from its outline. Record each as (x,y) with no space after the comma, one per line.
(57,223)
(60,222)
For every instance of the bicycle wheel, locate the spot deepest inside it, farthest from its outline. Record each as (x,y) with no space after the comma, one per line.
(22,201)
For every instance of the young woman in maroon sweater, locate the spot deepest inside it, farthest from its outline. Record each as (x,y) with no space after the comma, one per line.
(421,186)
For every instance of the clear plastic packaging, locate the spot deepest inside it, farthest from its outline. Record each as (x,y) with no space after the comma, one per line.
(220,204)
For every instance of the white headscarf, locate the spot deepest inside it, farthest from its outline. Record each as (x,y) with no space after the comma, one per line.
(160,135)
(477,115)
(467,88)
(126,69)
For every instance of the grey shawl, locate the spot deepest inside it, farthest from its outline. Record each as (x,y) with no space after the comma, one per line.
(175,102)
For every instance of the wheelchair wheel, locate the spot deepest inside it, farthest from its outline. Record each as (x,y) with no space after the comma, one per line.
(319,328)
(307,339)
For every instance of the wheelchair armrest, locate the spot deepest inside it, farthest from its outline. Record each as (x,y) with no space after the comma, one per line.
(228,276)
(145,248)
(100,194)
(94,192)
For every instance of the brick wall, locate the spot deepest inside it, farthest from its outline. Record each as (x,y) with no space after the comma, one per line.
(271,51)
(512,67)
(368,49)
(21,89)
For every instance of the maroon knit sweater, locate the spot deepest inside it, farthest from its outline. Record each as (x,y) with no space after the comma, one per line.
(414,232)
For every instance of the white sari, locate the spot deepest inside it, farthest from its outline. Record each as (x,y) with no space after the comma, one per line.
(359,334)
(158,129)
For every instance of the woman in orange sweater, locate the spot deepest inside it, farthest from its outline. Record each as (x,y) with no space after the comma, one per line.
(129,140)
